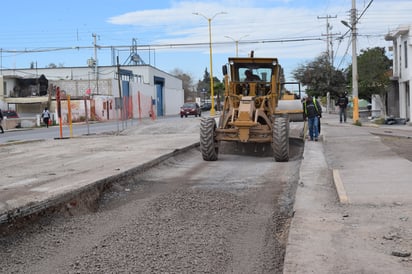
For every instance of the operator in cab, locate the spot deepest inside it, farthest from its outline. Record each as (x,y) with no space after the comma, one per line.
(250,76)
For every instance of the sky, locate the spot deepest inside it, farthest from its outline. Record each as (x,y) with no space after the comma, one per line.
(168,35)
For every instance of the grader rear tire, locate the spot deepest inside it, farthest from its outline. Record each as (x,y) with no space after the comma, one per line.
(280,139)
(209,147)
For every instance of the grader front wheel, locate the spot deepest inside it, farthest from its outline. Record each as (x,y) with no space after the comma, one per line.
(209,147)
(280,140)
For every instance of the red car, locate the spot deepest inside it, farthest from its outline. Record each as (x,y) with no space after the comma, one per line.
(190,109)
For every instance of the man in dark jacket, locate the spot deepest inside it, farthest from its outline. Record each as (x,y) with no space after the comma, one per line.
(342,102)
(312,112)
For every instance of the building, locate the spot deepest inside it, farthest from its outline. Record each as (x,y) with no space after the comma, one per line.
(111,92)
(402,68)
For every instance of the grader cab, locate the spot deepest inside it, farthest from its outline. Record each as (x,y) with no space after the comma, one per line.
(250,111)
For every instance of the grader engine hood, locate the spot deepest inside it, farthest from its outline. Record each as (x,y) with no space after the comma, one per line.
(245,117)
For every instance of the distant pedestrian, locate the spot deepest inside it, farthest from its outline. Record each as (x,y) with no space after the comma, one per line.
(46,116)
(1,121)
(312,112)
(342,103)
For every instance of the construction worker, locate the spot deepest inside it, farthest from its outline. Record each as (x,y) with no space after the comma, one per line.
(312,112)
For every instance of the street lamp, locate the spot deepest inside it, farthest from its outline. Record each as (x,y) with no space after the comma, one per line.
(237,41)
(209,20)
(352,27)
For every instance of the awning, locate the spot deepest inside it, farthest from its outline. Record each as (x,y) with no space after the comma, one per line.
(26,100)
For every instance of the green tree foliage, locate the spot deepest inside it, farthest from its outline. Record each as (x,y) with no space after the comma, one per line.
(51,65)
(373,67)
(320,77)
(204,84)
(187,83)
(219,89)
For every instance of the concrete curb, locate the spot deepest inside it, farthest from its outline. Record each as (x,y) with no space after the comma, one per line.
(390,135)
(340,189)
(21,142)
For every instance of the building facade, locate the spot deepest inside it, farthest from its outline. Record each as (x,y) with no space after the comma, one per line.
(134,91)
(402,68)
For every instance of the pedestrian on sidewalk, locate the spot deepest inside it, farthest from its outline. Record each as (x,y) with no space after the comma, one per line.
(46,116)
(312,112)
(1,121)
(342,102)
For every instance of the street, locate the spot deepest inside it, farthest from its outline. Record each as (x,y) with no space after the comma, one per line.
(184,215)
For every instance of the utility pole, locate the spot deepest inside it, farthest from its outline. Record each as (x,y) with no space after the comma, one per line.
(96,73)
(329,51)
(352,27)
(354,64)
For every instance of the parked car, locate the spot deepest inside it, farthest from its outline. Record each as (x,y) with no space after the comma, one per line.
(206,106)
(9,114)
(190,108)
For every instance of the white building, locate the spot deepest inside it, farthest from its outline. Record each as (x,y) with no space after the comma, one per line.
(402,67)
(143,90)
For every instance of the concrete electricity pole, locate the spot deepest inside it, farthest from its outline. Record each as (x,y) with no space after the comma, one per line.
(352,27)
(329,52)
(96,73)
(354,65)
(328,36)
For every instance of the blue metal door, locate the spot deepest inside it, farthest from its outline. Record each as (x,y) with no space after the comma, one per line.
(125,88)
(159,84)
(126,98)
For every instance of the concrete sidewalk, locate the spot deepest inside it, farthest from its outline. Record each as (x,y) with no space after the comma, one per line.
(353,192)
(367,171)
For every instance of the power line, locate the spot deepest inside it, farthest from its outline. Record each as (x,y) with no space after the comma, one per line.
(171,45)
(354,23)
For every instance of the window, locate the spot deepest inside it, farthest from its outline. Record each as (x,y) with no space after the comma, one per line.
(264,73)
(405,48)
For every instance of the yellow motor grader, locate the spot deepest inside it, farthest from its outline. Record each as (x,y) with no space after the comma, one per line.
(251,112)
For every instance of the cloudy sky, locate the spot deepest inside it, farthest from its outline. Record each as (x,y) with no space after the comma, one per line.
(169,36)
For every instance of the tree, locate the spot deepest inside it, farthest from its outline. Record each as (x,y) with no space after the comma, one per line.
(219,89)
(187,83)
(204,84)
(53,65)
(320,77)
(373,68)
